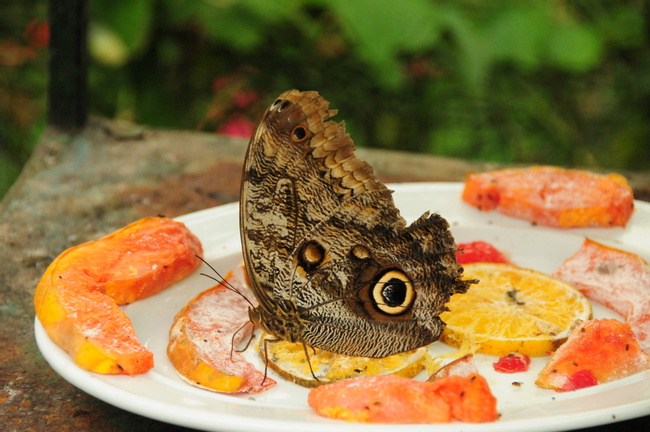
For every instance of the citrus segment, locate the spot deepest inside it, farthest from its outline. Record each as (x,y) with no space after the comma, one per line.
(512,310)
(76,300)
(553,196)
(289,360)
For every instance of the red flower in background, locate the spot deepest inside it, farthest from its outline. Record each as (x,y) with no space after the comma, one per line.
(37,33)
(245,98)
(237,126)
(232,106)
(15,53)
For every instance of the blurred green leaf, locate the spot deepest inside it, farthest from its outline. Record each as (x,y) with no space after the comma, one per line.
(518,35)
(474,56)
(381,29)
(238,24)
(453,141)
(575,48)
(623,26)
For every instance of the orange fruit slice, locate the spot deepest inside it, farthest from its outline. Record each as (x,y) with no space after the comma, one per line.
(76,300)
(512,310)
(288,359)
(553,196)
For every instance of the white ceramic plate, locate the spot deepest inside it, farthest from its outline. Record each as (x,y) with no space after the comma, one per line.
(162,395)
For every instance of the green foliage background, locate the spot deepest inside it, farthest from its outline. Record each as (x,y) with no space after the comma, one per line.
(559,82)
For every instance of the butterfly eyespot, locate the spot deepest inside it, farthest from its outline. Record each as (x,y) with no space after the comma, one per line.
(393,293)
(284,105)
(277,101)
(298,134)
(311,255)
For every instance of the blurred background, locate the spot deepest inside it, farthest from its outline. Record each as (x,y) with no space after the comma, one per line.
(554,82)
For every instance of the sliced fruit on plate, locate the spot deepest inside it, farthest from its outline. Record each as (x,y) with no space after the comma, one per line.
(393,399)
(479,251)
(77,299)
(617,279)
(553,196)
(463,366)
(512,363)
(600,349)
(203,334)
(512,309)
(289,360)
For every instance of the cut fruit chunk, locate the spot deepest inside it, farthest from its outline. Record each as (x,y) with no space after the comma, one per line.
(605,348)
(512,363)
(553,196)
(202,337)
(393,399)
(617,279)
(463,367)
(77,299)
(512,310)
(289,360)
(479,251)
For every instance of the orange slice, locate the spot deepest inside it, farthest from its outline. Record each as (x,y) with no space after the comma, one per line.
(77,298)
(288,359)
(512,310)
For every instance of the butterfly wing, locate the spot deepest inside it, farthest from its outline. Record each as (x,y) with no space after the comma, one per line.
(325,246)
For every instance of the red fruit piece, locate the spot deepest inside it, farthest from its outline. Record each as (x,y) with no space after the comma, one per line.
(479,251)
(512,363)
(581,379)
(605,347)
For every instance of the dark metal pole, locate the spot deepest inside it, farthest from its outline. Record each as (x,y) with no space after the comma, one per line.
(68,64)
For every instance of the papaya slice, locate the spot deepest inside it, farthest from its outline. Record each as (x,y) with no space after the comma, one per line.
(76,300)
(205,334)
(394,399)
(553,196)
(605,348)
(617,279)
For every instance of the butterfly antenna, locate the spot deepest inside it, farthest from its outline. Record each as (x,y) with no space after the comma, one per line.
(220,279)
(232,340)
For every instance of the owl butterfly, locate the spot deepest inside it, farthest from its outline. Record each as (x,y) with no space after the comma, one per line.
(331,261)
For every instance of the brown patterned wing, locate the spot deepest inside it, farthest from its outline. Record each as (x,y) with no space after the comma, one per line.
(330,259)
